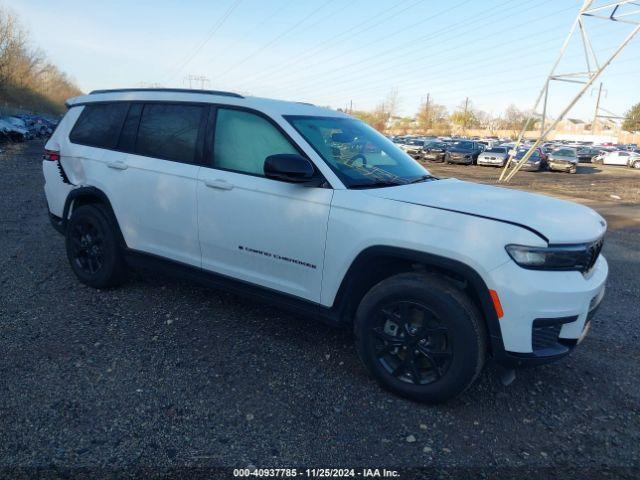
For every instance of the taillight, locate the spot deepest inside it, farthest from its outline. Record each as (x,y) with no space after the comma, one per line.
(52,155)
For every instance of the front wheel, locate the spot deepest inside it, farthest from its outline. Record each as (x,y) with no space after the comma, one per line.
(420,337)
(636,164)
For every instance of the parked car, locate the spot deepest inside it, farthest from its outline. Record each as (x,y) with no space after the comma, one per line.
(619,157)
(246,194)
(413,147)
(434,151)
(563,159)
(495,157)
(20,126)
(587,154)
(10,132)
(534,163)
(463,151)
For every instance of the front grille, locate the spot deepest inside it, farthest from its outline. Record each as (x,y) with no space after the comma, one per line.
(593,252)
(545,336)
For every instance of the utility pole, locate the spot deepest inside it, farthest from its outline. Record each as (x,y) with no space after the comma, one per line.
(427,106)
(595,113)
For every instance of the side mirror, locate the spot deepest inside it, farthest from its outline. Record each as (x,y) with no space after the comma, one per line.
(288,167)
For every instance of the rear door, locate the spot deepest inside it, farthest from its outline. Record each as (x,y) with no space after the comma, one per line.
(152,187)
(263,231)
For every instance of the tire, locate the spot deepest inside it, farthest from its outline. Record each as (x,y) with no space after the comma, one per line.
(427,315)
(93,247)
(636,164)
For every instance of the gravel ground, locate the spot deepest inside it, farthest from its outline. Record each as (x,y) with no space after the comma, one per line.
(163,374)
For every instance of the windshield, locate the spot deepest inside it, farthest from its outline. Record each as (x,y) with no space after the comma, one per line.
(463,145)
(534,156)
(565,152)
(497,150)
(435,145)
(359,155)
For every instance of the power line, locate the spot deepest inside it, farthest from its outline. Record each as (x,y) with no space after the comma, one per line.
(477,20)
(278,37)
(340,37)
(385,37)
(262,22)
(210,35)
(419,83)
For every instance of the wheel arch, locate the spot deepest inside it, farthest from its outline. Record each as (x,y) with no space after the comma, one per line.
(376,263)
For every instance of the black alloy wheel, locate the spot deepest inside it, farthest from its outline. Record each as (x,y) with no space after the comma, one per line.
(94,246)
(411,342)
(420,336)
(87,246)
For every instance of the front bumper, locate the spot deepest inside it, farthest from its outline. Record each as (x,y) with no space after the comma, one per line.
(461,158)
(561,166)
(530,167)
(546,314)
(491,162)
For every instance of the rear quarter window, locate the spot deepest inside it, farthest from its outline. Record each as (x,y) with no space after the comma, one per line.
(99,125)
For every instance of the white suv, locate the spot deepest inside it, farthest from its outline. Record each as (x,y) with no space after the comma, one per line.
(316,211)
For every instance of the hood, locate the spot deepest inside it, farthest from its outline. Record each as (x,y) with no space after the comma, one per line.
(562,158)
(557,221)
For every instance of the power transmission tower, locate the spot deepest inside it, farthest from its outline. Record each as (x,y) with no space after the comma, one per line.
(197,78)
(621,12)
(596,111)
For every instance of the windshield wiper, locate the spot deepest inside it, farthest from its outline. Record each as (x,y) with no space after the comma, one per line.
(376,184)
(423,178)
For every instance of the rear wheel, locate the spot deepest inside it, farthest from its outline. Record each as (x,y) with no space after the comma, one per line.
(92,247)
(420,337)
(636,164)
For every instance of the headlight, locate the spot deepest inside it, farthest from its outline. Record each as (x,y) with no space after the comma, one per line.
(564,257)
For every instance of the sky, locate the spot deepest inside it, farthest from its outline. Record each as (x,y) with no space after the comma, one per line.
(336,52)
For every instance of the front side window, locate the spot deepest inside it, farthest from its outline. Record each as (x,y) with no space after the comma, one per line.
(169,131)
(359,155)
(99,124)
(244,140)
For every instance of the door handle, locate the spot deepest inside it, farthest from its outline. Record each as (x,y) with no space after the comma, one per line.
(118,165)
(219,184)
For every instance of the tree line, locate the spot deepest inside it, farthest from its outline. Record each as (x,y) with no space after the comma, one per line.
(28,80)
(435,119)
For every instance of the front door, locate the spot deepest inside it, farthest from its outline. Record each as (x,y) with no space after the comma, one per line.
(265,232)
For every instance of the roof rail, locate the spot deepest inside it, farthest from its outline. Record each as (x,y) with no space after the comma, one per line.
(175,90)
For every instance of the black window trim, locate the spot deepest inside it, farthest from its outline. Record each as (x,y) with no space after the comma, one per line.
(207,127)
(210,152)
(77,122)
(197,154)
(199,158)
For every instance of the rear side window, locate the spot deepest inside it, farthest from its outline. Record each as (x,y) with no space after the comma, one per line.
(99,125)
(169,131)
(127,141)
